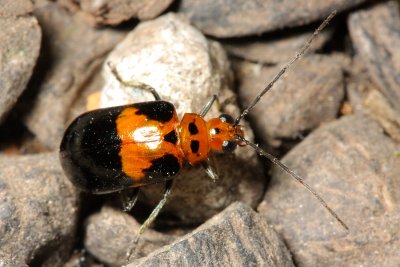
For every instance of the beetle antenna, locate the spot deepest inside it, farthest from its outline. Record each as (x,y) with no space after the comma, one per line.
(277,162)
(298,55)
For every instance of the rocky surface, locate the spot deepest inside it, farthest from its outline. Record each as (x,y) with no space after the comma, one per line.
(275,48)
(314,88)
(340,161)
(20,38)
(74,52)
(374,33)
(338,108)
(112,237)
(240,18)
(38,210)
(116,11)
(237,236)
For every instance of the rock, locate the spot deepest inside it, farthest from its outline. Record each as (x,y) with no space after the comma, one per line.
(13,8)
(306,97)
(237,236)
(38,210)
(379,108)
(186,69)
(352,164)
(70,59)
(20,38)
(110,236)
(374,34)
(240,18)
(273,49)
(8,260)
(116,11)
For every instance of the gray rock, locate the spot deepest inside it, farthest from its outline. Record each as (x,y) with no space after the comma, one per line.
(72,52)
(239,18)
(186,69)
(307,96)
(20,37)
(236,237)
(352,164)
(38,210)
(374,34)
(111,234)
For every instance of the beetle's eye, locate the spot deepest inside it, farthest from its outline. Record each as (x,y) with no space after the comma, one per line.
(226,118)
(229,146)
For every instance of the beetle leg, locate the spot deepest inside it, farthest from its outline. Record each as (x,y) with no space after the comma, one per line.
(129,197)
(208,105)
(157,209)
(133,84)
(209,169)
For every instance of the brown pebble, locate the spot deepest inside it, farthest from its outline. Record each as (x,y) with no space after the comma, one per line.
(111,234)
(114,12)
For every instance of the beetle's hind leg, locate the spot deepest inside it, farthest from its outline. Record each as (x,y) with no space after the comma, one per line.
(133,83)
(157,209)
(129,197)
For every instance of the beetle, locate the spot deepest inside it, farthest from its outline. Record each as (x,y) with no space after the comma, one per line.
(120,149)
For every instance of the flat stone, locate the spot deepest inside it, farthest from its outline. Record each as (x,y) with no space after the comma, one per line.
(273,49)
(240,18)
(186,69)
(20,39)
(111,234)
(374,34)
(38,210)
(353,165)
(70,60)
(237,236)
(306,97)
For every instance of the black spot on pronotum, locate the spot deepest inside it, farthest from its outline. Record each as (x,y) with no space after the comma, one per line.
(171,137)
(193,128)
(194,146)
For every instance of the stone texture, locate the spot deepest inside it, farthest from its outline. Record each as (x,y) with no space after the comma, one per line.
(275,48)
(186,69)
(20,37)
(9,260)
(38,210)
(236,237)
(353,165)
(238,18)
(13,8)
(374,35)
(306,97)
(114,12)
(72,52)
(111,234)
